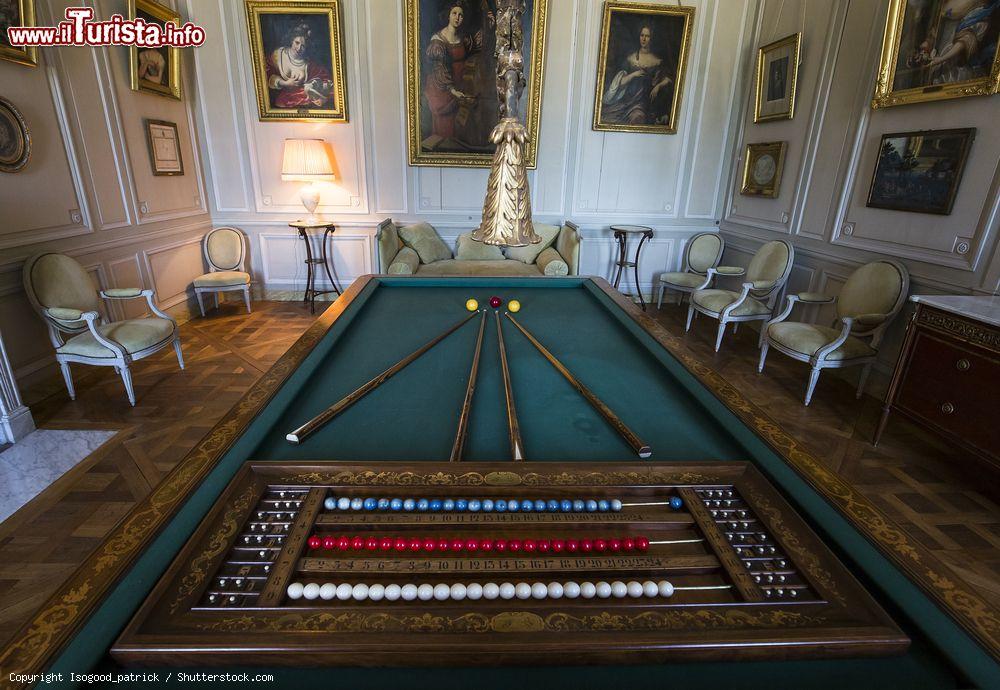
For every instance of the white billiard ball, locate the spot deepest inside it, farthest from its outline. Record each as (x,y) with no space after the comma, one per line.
(408,592)
(619,590)
(442,592)
(522,590)
(310,591)
(571,590)
(360,592)
(459,591)
(328,591)
(588,590)
(539,590)
(666,589)
(555,590)
(474,591)
(650,589)
(491,590)
(635,589)
(603,590)
(376,592)
(344,591)
(425,592)
(507,591)
(393,592)
(295,590)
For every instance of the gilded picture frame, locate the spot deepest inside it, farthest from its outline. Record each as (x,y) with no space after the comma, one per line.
(164,147)
(15,138)
(762,166)
(17,13)
(154,70)
(451,131)
(297,49)
(653,42)
(777,79)
(929,56)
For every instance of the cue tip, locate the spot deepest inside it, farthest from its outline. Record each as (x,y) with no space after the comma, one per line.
(292,438)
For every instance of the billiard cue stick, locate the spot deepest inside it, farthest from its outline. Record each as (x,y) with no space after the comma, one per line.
(470,390)
(640,448)
(300,434)
(513,428)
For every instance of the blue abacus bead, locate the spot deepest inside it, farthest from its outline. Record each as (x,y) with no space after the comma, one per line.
(487,505)
(500,506)
(409,505)
(616,505)
(539,506)
(461,504)
(370,504)
(475,505)
(566,505)
(513,506)
(436,504)
(357,504)
(552,505)
(527,506)
(423,504)
(330,503)
(448,504)
(676,503)
(603,506)
(396,504)
(383,504)
(578,506)
(344,503)
(591,506)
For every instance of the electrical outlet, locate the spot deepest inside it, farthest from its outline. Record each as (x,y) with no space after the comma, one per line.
(668,207)
(75,216)
(784,217)
(266,200)
(847,229)
(355,201)
(143,207)
(962,247)
(425,202)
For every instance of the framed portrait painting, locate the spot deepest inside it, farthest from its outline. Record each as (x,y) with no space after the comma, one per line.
(920,171)
(15,141)
(451,83)
(762,164)
(298,59)
(154,70)
(641,67)
(938,49)
(164,147)
(777,76)
(17,13)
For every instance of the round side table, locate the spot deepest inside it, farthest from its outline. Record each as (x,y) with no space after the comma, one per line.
(312,262)
(622,235)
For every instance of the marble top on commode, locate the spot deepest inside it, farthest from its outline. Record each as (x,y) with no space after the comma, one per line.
(985,308)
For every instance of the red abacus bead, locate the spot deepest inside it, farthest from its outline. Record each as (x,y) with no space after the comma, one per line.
(457,544)
(371,544)
(530,545)
(416,544)
(641,543)
(558,545)
(514,545)
(544,545)
(572,546)
(600,545)
(486,545)
(343,543)
(628,544)
(443,544)
(472,545)
(615,545)
(315,542)
(500,545)
(495,302)
(386,544)
(357,543)
(586,546)
(430,545)
(400,544)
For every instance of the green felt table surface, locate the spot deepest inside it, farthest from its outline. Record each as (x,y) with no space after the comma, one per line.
(413,417)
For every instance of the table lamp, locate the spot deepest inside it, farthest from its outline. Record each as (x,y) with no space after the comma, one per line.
(312,161)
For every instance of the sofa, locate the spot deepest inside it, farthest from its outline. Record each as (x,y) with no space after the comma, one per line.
(418,249)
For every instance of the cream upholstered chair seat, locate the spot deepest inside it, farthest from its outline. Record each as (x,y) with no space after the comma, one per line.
(223,279)
(134,336)
(715,301)
(807,339)
(225,251)
(691,280)
(870,299)
(700,254)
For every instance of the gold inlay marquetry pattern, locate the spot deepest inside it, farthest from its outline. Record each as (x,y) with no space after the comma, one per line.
(391,478)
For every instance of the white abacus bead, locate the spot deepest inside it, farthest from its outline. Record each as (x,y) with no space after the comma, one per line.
(616,505)
(360,592)
(491,590)
(571,590)
(603,590)
(554,590)
(344,591)
(666,589)
(507,591)
(393,592)
(619,590)
(588,590)
(650,589)
(328,591)
(635,589)
(357,504)
(459,591)
(442,592)
(310,591)
(474,591)
(408,592)
(330,503)
(295,590)
(425,592)
(376,592)
(539,590)
(344,503)
(522,590)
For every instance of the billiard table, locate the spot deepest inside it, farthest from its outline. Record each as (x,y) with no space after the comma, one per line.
(686,413)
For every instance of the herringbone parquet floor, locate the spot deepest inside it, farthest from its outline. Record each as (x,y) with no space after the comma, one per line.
(914,478)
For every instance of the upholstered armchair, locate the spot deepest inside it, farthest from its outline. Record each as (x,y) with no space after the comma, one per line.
(702,252)
(766,276)
(63,294)
(226,252)
(867,304)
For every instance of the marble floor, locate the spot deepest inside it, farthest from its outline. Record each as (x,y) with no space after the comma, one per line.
(31,465)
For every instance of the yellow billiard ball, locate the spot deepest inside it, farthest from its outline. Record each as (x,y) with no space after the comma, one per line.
(472,305)
(514,305)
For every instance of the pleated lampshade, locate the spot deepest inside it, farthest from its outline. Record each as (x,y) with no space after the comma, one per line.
(308,160)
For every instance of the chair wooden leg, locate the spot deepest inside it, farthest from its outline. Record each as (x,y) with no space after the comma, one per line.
(811,386)
(68,378)
(201,305)
(863,379)
(246,297)
(126,375)
(180,355)
(659,299)
(718,336)
(763,355)
(690,316)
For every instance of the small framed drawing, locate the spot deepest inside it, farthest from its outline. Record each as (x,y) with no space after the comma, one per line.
(762,166)
(155,70)
(777,76)
(17,13)
(920,171)
(164,148)
(15,142)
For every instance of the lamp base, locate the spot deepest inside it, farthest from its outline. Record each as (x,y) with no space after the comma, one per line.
(309,195)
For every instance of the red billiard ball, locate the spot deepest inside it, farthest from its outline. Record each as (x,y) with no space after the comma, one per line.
(514,545)
(343,543)
(457,544)
(572,546)
(544,545)
(486,545)
(628,544)
(328,543)
(416,544)
(500,545)
(386,544)
(443,544)
(400,544)
(472,545)
(615,545)
(641,543)
(558,545)
(357,543)
(586,546)
(315,542)
(530,545)
(495,302)
(600,545)
(430,545)
(371,544)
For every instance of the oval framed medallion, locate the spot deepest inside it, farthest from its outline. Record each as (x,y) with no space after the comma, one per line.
(15,141)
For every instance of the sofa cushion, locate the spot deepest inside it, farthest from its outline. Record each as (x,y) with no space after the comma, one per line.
(807,339)
(717,300)
(389,244)
(568,246)
(551,264)
(223,279)
(529,254)
(133,335)
(453,267)
(424,240)
(468,249)
(406,262)
(682,279)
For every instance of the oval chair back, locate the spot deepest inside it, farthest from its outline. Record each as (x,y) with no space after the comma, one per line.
(769,267)
(57,281)
(225,249)
(879,287)
(703,252)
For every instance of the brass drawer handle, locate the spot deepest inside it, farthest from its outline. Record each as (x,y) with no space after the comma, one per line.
(963,364)
(947,408)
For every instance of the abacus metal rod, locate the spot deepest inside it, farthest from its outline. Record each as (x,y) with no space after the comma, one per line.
(513,428)
(300,434)
(677,541)
(470,391)
(701,588)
